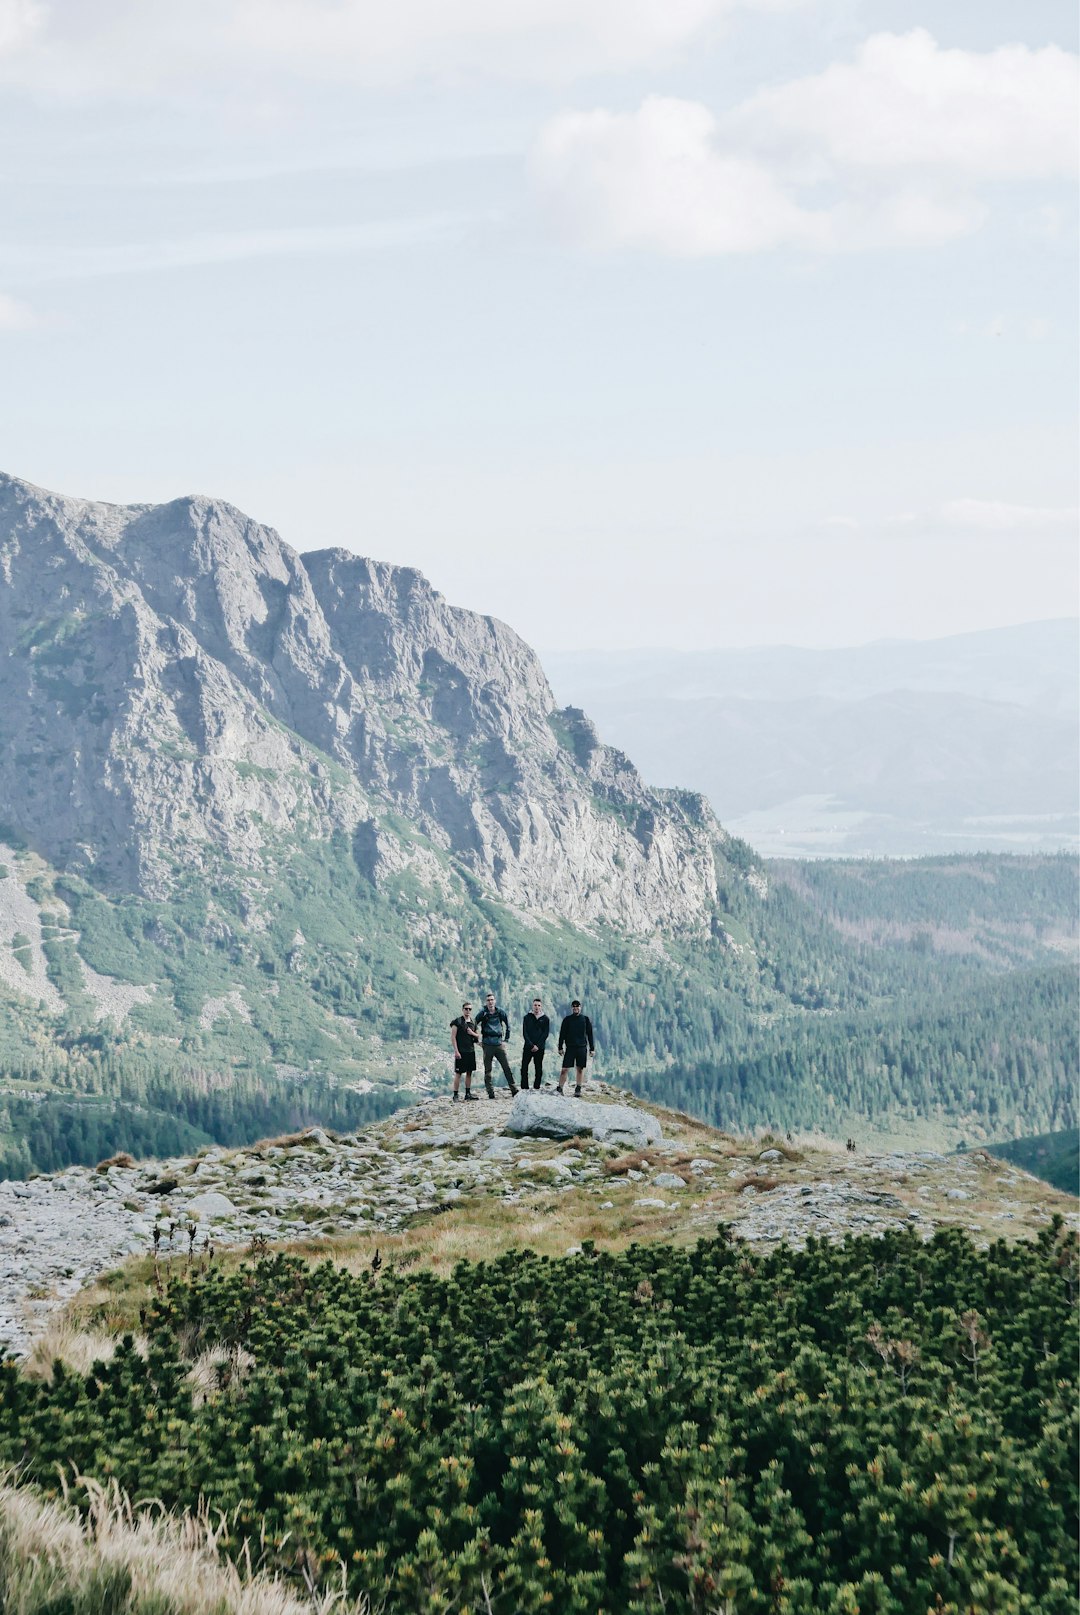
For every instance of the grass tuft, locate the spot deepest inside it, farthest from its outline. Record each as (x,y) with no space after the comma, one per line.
(123,1159)
(126,1560)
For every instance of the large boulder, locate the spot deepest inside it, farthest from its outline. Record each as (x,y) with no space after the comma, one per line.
(538,1115)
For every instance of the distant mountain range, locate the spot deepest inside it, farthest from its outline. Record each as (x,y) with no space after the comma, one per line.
(899,748)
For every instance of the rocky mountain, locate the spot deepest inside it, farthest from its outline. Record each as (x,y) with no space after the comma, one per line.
(266,819)
(181,690)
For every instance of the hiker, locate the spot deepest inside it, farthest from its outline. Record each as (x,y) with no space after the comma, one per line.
(494,1028)
(463,1036)
(535,1029)
(575,1044)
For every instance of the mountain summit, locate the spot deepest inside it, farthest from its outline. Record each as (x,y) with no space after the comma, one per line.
(180,686)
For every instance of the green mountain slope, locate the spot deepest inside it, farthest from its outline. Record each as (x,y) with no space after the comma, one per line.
(342,1002)
(1054,1157)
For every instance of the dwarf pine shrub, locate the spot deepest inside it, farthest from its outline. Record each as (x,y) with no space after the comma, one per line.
(883,1426)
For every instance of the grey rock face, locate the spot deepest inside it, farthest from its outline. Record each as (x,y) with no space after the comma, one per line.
(212,1204)
(177,678)
(537,1115)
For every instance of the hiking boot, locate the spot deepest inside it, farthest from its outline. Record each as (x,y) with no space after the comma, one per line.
(561,1091)
(513,1091)
(577,1091)
(470,1095)
(455,1097)
(536,1085)
(490,1090)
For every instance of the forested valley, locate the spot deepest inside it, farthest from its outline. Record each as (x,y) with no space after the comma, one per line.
(930,999)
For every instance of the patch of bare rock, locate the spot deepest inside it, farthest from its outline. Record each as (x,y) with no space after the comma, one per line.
(59,1233)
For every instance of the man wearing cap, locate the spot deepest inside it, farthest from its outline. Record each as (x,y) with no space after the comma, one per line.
(575,1044)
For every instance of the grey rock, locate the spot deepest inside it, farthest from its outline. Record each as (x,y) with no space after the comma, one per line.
(537,1115)
(205,1207)
(649,1200)
(668,1180)
(957,1194)
(771,1155)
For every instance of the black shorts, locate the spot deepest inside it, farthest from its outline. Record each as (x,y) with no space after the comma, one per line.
(464,1065)
(575,1057)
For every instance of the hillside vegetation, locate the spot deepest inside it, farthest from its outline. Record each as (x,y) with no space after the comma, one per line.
(1054,1157)
(827,1004)
(883,1426)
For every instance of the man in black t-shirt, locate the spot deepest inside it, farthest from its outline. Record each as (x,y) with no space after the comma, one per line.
(535,1029)
(493,1024)
(576,1044)
(463,1036)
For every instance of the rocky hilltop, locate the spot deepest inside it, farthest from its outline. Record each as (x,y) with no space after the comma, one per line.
(179,687)
(442,1181)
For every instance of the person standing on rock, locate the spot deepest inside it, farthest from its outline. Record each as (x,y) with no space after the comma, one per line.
(535,1030)
(575,1045)
(463,1036)
(493,1024)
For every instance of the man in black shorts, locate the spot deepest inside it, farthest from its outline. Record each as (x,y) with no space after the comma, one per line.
(463,1035)
(575,1045)
(535,1029)
(493,1024)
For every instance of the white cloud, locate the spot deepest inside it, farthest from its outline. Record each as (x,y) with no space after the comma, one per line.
(993,517)
(653,178)
(93,48)
(903,105)
(892,148)
(15,315)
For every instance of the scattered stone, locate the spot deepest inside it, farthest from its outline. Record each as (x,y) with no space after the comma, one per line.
(57,1233)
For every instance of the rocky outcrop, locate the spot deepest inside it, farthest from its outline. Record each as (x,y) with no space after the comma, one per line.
(59,1233)
(178,685)
(537,1115)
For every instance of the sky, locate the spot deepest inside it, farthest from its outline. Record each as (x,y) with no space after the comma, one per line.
(684,323)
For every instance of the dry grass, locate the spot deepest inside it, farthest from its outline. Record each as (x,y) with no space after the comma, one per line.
(65,1339)
(640,1160)
(123,1560)
(123,1159)
(218,1370)
(285,1141)
(752,1181)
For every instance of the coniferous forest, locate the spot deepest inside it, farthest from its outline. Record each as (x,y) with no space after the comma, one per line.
(881,1428)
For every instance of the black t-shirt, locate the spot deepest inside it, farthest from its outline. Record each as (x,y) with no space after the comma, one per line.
(466,1034)
(575,1032)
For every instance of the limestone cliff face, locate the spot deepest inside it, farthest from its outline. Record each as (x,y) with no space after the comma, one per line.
(178,685)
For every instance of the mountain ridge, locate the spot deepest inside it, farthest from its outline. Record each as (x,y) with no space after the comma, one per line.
(189,628)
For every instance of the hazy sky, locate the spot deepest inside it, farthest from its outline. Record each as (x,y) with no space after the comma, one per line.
(636,322)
